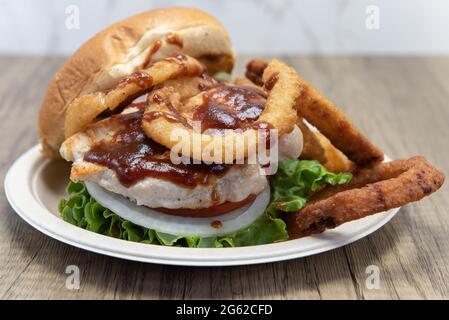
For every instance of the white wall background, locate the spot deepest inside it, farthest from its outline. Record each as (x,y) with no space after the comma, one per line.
(256,26)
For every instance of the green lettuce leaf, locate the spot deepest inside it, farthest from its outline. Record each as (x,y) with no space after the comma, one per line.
(291,186)
(296,180)
(84,211)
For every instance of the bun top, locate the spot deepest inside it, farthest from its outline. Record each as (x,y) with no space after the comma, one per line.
(125,47)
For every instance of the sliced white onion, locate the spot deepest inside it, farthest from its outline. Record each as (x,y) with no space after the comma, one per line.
(146,217)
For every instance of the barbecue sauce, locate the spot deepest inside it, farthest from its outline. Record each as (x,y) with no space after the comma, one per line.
(216,224)
(133,156)
(171,116)
(209,82)
(155,48)
(174,40)
(230,107)
(139,78)
(269,84)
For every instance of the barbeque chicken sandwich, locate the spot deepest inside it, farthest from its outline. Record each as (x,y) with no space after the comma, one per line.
(167,149)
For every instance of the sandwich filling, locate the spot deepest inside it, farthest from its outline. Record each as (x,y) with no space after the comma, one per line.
(126,184)
(118,155)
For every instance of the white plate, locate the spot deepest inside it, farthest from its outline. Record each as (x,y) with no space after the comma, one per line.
(34,186)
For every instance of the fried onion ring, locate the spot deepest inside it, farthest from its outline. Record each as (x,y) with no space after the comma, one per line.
(254,71)
(328,119)
(336,161)
(188,86)
(85,109)
(318,147)
(377,189)
(173,130)
(312,150)
(282,86)
(336,126)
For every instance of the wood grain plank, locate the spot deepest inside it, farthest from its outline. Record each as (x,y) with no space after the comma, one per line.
(401,103)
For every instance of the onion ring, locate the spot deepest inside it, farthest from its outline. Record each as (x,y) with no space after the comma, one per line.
(318,147)
(336,126)
(188,86)
(327,118)
(254,71)
(83,110)
(312,150)
(174,131)
(377,189)
(282,83)
(282,86)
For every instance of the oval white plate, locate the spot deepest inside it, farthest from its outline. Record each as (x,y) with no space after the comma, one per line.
(34,186)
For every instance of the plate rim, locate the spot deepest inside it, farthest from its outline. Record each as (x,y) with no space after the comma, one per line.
(55,227)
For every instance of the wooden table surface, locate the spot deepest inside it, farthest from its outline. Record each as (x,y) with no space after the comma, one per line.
(400,103)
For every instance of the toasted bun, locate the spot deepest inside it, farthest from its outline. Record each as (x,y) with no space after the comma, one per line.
(123,48)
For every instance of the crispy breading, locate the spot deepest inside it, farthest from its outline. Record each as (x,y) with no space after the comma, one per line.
(254,71)
(313,149)
(375,189)
(328,119)
(279,112)
(85,109)
(336,161)
(336,126)
(318,147)
(282,84)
